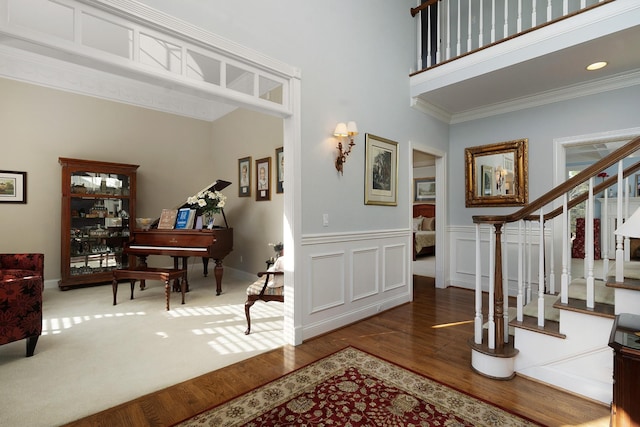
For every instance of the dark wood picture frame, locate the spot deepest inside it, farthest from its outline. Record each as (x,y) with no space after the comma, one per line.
(244,177)
(13,187)
(279,170)
(263,179)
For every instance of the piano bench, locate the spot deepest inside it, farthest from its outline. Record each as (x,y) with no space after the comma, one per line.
(165,275)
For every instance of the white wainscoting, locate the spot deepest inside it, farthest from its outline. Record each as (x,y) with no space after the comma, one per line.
(351,276)
(462,253)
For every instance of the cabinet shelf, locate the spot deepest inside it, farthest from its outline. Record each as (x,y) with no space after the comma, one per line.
(98,198)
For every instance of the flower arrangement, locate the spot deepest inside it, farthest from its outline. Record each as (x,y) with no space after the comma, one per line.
(208,202)
(277,247)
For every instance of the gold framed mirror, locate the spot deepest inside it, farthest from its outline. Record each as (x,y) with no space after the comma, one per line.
(497,174)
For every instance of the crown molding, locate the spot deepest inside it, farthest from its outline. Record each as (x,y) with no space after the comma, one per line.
(545,98)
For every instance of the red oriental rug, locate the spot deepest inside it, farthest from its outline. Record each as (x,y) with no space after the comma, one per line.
(354,388)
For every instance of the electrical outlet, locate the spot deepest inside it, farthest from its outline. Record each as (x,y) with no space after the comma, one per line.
(325,220)
(241,259)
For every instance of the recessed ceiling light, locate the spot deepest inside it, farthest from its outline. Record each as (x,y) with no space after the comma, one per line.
(596,65)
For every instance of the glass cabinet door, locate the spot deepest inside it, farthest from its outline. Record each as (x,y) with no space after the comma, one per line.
(98,205)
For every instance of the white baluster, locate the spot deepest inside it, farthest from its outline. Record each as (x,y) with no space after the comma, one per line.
(619,239)
(493,21)
(481,25)
(459,32)
(552,273)
(492,287)
(448,53)
(505,284)
(530,261)
(419,41)
(439,35)
(565,7)
(564,279)
(589,242)
(469,44)
(478,316)
(520,296)
(534,13)
(627,240)
(541,271)
(505,33)
(604,227)
(519,20)
(549,11)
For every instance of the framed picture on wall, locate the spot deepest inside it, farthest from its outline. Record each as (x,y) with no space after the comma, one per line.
(263,179)
(381,171)
(424,189)
(244,177)
(13,187)
(637,192)
(280,170)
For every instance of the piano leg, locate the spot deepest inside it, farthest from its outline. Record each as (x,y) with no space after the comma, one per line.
(217,272)
(205,266)
(143,265)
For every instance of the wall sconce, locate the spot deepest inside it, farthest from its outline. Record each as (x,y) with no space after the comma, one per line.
(343,131)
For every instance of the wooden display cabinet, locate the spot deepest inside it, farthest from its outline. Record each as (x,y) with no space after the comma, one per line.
(625,341)
(98,199)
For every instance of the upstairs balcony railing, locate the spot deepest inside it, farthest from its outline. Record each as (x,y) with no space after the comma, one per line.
(449,29)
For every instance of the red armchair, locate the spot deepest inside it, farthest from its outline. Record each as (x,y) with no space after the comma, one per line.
(21,287)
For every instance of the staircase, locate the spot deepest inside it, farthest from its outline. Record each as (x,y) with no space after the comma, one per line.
(559,337)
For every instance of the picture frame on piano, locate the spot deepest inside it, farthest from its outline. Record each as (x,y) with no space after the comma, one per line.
(244,177)
(263,179)
(280,170)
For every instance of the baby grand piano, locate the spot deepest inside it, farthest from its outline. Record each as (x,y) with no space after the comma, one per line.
(215,243)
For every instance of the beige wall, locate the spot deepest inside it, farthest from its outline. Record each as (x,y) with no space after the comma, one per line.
(256,223)
(176,157)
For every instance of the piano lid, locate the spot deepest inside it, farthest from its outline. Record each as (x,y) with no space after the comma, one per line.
(217,185)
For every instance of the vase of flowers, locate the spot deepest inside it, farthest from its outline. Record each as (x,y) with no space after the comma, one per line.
(207,203)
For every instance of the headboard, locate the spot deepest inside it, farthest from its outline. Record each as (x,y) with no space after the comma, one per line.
(425,209)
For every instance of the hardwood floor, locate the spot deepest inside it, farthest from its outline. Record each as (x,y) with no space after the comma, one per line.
(428,336)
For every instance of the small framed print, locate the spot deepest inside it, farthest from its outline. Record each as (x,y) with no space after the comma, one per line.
(263,179)
(244,177)
(381,171)
(424,189)
(13,187)
(280,170)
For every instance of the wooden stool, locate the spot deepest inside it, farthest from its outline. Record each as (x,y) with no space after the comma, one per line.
(165,275)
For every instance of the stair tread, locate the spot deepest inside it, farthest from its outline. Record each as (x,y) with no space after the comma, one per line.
(507,350)
(580,305)
(627,283)
(530,323)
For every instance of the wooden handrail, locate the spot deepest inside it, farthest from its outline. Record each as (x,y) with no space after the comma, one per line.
(417,9)
(591,171)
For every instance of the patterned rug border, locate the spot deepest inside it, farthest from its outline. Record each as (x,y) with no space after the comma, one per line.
(295,382)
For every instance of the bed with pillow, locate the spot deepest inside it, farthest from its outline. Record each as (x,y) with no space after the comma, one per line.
(424,230)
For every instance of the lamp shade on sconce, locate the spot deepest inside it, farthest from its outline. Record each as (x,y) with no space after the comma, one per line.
(352,128)
(631,227)
(341,130)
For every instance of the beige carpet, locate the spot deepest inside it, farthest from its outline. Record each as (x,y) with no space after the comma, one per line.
(93,355)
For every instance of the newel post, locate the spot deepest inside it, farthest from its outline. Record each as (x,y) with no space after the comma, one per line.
(498,294)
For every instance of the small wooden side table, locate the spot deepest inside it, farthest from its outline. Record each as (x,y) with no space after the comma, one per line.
(625,341)
(165,275)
